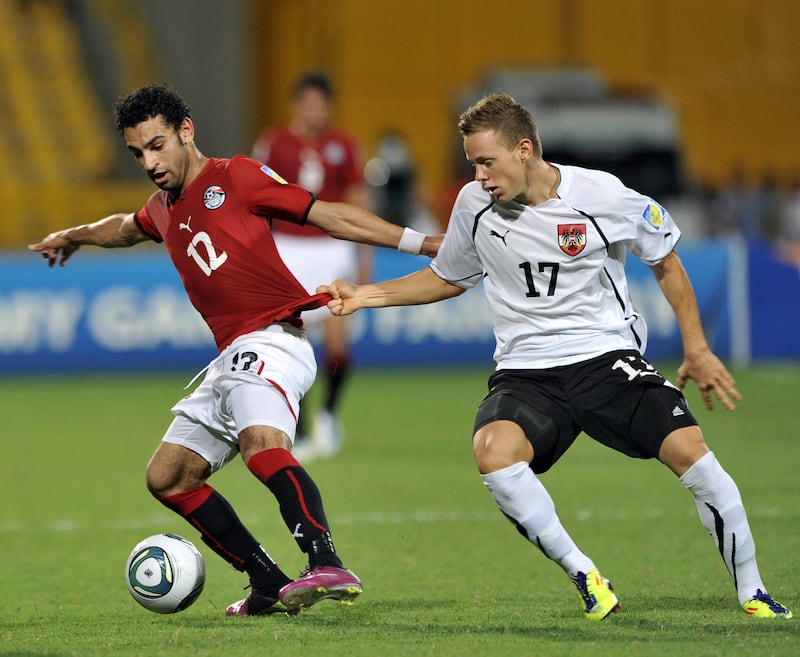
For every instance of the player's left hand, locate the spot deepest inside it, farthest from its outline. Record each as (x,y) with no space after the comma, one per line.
(711,376)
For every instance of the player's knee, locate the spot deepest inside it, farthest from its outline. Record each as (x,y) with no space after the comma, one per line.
(682,448)
(499,444)
(255,439)
(158,482)
(161,481)
(174,470)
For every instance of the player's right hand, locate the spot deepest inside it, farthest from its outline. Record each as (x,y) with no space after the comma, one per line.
(343,293)
(56,247)
(711,376)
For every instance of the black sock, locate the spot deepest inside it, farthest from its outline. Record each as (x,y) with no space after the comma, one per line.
(300,431)
(265,576)
(223,531)
(337,370)
(322,553)
(300,503)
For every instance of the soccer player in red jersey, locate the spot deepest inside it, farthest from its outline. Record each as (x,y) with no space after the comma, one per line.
(312,153)
(214,216)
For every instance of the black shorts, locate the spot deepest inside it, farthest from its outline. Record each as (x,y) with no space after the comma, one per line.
(618,399)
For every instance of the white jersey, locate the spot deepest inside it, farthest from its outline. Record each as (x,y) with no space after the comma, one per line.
(554,273)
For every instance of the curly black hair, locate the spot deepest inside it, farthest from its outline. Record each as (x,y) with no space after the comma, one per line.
(148,102)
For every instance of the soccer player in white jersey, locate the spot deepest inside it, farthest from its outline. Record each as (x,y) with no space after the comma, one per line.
(549,244)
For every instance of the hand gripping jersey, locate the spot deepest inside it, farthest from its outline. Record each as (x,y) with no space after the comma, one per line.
(327,167)
(554,274)
(219,238)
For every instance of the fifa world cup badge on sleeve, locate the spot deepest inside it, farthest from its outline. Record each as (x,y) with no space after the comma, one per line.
(654,215)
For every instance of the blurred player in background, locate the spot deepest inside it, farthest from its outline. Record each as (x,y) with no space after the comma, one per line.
(326,161)
(214,216)
(396,189)
(549,243)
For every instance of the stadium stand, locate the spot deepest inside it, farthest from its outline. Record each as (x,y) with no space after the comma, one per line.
(58,150)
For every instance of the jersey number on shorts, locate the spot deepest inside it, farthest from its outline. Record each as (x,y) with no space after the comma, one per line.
(215,260)
(551,288)
(243,360)
(633,372)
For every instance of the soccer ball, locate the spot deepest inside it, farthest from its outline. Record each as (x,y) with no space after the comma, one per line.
(165,573)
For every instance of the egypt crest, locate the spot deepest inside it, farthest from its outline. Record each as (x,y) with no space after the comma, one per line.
(572,238)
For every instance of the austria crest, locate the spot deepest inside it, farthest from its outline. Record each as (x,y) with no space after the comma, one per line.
(572,238)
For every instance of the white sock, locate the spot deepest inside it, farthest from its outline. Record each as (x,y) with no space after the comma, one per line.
(523,498)
(722,513)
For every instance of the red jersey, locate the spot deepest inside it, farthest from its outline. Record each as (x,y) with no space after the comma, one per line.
(327,167)
(218,235)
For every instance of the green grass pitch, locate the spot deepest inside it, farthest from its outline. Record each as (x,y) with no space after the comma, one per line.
(444,574)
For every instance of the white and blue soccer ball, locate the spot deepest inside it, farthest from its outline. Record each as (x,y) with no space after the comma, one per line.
(165,573)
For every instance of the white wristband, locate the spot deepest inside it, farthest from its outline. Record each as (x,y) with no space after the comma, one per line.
(411,242)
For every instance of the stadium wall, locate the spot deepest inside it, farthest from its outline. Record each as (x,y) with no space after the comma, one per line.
(128,312)
(728,68)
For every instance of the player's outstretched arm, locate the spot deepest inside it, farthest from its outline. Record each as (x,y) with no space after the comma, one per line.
(421,287)
(700,363)
(114,231)
(349,222)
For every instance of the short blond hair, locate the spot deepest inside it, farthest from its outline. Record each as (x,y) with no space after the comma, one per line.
(501,113)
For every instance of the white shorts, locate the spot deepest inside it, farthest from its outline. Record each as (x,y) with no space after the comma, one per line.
(318,261)
(258,380)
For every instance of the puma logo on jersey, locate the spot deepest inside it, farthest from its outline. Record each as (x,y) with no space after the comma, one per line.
(181,226)
(494,233)
(297,533)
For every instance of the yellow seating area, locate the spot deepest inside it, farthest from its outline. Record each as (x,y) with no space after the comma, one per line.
(57,145)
